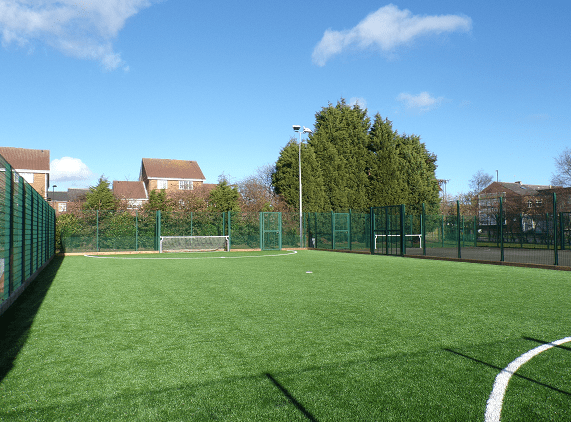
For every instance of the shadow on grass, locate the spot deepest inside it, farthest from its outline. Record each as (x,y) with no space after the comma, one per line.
(291,398)
(559,346)
(15,323)
(515,374)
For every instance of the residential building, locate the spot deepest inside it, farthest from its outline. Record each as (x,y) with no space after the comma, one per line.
(518,198)
(32,164)
(60,200)
(133,193)
(170,175)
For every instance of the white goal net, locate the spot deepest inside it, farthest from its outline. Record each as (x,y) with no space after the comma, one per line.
(194,243)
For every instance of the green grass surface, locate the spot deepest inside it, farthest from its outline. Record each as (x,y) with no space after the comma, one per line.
(259,339)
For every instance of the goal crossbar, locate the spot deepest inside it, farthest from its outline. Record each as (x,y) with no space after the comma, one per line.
(398,235)
(193,243)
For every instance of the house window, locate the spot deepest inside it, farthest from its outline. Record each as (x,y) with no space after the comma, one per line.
(185,184)
(161,184)
(28,177)
(134,204)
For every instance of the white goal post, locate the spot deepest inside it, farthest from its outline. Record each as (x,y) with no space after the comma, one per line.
(398,235)
(194,243)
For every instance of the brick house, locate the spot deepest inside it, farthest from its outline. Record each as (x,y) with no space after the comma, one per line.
(32,164)
(133,193)
(171,175)
(518,198)
(60,200)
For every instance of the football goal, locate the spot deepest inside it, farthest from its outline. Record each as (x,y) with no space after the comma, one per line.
(194,243)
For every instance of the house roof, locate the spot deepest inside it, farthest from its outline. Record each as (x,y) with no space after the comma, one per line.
(71,195)
(27,159)
(75,194)
(58,196)
(158,168)
(514,189)
(129,190)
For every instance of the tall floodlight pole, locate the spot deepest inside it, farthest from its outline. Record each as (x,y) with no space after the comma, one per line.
(297,128)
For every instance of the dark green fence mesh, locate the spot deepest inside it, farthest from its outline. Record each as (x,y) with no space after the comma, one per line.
(27,233)
(338,230)
(499,232)
(107,231)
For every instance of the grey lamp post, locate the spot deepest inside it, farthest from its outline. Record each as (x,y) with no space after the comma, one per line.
(297,128)
(53,191)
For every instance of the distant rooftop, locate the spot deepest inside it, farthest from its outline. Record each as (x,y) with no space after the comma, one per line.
(27,159)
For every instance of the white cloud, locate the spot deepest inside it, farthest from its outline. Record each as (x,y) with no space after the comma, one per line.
(361,102)
(386,29)
(77,28)
(69,169)
(421,102)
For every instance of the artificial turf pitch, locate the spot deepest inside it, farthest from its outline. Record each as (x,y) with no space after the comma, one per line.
(308,336)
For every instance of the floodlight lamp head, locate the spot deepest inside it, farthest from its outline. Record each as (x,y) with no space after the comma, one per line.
(307,130)
(296,128)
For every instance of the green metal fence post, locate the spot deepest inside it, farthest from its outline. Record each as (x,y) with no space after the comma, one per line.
(229,231)
(158,230)
(97,230)
(561,232)
(24,234)
(475,231)
(136,231)
(349,236)
(555,228)
(372,231)
(402,231)
(387,229)
(442,230)
(332,230)
(423,229)
(261,231)
(459,234)
(500,224)
(12,230)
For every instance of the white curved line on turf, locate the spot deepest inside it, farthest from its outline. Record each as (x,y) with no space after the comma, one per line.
(494,406)
(202,257)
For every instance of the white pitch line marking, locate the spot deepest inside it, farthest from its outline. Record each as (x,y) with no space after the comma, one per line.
(494,406)
(202,257)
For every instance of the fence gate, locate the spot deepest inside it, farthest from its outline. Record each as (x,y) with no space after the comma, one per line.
(388,230)
(271,231)
(341,224)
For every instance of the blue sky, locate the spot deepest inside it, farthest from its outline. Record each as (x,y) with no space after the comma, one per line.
(104,84)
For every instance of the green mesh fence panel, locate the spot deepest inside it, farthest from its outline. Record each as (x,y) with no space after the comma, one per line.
(388,225)
(537,236)
(290,230)
(245,230)
(319,230)
(271,231)
(27,234)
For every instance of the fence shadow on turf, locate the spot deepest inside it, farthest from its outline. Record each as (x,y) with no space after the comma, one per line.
(15,323)
(515,374)
(559,346)
(291,398)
